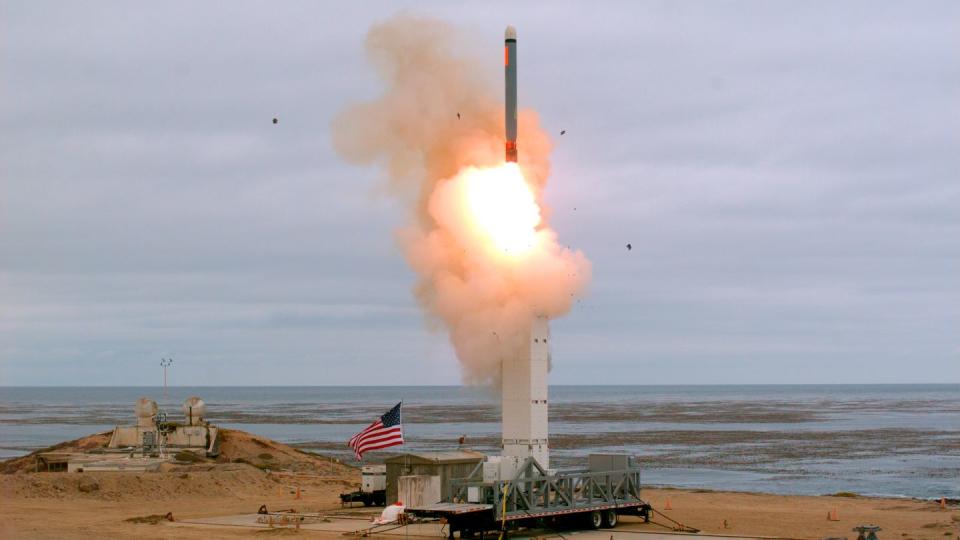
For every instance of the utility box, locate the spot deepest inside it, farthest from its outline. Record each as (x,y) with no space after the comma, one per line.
(373,478)
(419,490)
(491,469)
(498,468)
(609,462)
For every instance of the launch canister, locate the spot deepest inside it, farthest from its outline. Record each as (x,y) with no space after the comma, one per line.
(510,76)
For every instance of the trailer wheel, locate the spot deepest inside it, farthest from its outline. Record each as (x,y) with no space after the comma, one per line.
(609,519)
(594,520)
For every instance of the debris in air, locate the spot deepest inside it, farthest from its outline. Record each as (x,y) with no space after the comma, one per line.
(629,247)
(458,116)
(275,120)
(562,131)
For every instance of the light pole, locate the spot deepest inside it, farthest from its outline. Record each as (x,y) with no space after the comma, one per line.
(165,363)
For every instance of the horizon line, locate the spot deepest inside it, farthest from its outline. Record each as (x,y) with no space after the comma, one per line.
(460,385)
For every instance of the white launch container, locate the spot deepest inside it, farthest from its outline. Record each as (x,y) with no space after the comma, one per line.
(524,398)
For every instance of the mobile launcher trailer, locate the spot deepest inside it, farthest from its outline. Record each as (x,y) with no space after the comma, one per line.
(533,497)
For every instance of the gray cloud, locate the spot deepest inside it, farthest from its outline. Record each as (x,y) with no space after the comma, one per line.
(786,172)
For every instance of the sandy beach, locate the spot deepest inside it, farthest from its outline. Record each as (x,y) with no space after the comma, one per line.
(81,505)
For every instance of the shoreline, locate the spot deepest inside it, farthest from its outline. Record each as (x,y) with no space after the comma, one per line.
(839,494)
(339,458)
(767,439)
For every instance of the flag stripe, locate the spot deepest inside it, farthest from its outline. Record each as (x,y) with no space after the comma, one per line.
(381,433)
(368,428)
(360,450)
(380,437)
(381,446)
(362,447)
(365,431)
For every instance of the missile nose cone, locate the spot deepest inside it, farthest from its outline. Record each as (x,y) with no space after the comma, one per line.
(511,33)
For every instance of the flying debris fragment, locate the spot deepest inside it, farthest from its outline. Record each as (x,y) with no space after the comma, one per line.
(563,131)
(458,116)
(275,120)
(629,247)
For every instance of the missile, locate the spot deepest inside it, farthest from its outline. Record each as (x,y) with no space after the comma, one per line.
(510,77)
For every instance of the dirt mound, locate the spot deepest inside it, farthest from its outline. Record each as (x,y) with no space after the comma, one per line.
(28,462)
(224,480)
(235,447)
(242,447)
(248,466)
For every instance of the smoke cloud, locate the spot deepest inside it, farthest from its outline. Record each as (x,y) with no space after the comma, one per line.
(477,236)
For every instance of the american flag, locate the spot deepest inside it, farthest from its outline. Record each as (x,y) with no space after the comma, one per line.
(387,431)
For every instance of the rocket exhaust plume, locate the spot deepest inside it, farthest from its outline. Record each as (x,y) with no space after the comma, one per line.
(478,238)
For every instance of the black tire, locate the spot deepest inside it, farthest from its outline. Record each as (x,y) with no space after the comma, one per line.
(367,502)
(594,520)
(610,519)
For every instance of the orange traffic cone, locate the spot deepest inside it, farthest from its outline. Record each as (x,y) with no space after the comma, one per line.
(833,515)
(668,506)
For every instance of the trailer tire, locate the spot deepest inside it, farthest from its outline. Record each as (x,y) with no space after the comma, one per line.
(594,519)
(609,519)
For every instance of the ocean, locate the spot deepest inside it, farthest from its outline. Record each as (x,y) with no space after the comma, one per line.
(884,440)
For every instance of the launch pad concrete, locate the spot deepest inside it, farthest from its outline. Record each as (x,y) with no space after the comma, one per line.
(346,526)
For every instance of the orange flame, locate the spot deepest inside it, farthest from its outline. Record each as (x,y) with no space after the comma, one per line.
(502,207)
(492,208)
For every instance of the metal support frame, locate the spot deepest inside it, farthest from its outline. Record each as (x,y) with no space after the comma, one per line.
(534,492)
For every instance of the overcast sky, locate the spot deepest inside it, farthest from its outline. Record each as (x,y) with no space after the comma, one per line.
(788,174)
